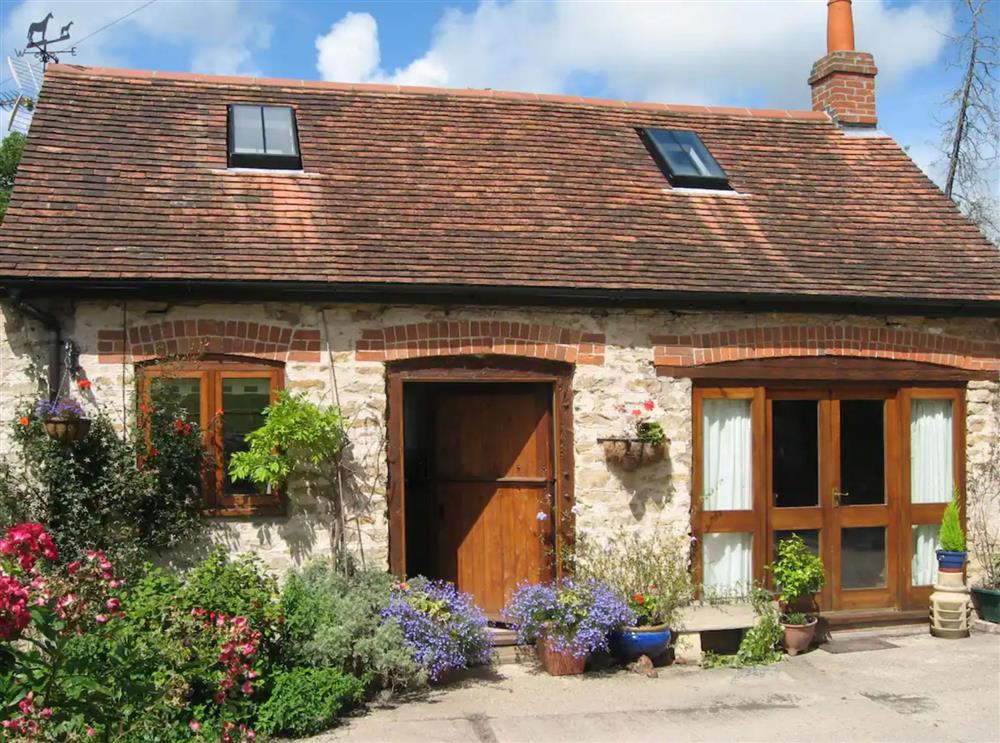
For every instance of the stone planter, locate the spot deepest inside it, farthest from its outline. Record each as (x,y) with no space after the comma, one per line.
(556,663)
(67,431)
(631,642)
(987,603)
(631,454)
(798,637)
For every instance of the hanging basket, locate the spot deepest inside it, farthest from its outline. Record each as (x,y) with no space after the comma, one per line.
(631,454)
(67,431)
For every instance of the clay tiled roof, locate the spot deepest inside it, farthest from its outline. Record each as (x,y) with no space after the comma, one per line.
(124,178)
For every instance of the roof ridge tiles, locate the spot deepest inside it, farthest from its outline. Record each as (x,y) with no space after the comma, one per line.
(376,88)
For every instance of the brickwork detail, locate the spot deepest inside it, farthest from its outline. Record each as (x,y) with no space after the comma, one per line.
(825,340)
(189,337)
(843,84)
(447,338)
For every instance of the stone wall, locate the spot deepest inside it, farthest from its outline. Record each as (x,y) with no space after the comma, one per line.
(613,353)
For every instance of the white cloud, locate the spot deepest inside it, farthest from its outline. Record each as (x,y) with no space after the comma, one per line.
(218,36)
(350,51)
(690,52)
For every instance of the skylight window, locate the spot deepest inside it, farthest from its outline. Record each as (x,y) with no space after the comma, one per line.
(263,137)
(684,159)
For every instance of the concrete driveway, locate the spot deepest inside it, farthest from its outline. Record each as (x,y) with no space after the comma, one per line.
(919,689)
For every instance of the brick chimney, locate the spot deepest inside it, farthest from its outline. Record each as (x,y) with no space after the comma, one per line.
(843,82)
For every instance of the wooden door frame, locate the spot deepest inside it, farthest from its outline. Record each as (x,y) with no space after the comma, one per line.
(493,369)
(900,393)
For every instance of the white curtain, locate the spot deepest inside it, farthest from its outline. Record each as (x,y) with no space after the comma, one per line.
(726,557)
(923,564)
(726,441)
(930,451)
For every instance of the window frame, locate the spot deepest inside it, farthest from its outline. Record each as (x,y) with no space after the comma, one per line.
(262,161)
(684,180)
(212,372)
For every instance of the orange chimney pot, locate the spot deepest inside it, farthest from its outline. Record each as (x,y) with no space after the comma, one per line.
(839,26)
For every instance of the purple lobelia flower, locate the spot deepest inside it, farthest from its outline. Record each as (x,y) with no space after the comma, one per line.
(65,408)
(442,625)
(577,616)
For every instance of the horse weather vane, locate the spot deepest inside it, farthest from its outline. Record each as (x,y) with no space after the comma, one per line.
(40,46)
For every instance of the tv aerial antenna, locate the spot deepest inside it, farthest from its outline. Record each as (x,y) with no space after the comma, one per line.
(27,68)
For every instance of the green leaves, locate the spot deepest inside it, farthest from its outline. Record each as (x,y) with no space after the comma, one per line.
(798,573)
(951,536)
(295,432)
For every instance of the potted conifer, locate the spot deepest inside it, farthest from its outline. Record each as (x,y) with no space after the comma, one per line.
(951,557)
(798,575)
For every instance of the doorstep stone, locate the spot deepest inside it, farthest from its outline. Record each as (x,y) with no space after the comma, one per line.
(699,618)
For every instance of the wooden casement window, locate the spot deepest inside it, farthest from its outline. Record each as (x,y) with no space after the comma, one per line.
(861,473)
(227,399)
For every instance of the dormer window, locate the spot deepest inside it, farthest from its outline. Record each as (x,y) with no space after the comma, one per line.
(684,159)
(263,137)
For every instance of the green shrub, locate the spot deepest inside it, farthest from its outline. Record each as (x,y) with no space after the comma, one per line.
(308,700)
(334,620)
(757,647)
(654,567)
(798,573)
(951,536)
(128,496)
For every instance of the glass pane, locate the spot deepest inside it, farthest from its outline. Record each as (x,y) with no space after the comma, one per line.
(243,403)
(188,391)
(698,154)
(278,130)
(809,536)
(727,462)
(862,557)
(862,452)
(931,451)
(248,132)
(795,448)
(726,558)
(923,564)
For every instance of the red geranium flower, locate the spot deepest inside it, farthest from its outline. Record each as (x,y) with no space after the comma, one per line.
(23,420)
(84,384)
(639,598)
(178,425)
(649,405)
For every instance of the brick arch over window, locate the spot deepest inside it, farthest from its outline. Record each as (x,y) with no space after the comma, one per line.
(452,337)
(190,337)
(825,340)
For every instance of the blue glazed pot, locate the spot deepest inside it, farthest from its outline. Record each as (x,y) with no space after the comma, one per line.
(950,562)
(631,642)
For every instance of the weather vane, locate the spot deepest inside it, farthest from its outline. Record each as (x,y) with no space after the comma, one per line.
(40,47)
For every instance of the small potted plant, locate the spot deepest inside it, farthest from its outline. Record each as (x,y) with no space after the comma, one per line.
(798,575)
(63,419)
(951,557)
(566,620)
(649,636)
(643,441)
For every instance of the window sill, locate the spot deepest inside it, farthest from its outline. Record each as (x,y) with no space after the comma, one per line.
(271,509)
(266,171)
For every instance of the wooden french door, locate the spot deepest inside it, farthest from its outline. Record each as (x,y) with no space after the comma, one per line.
(833,477)
(491,482)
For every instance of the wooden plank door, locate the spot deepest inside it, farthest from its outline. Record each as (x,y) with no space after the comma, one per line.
(866,496)
(492,476)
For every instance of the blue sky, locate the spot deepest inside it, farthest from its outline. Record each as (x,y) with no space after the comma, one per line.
(742,52)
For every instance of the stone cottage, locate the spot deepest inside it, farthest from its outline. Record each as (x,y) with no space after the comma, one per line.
(490,283)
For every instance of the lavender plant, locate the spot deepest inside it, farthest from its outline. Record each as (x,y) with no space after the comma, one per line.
(575,616)
(443,627)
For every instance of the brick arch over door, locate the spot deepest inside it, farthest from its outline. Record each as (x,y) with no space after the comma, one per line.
(199,336)
(894,344)
(465,337)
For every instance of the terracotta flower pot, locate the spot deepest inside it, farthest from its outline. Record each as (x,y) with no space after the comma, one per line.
(798,637)
(558,663)
(67,431)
